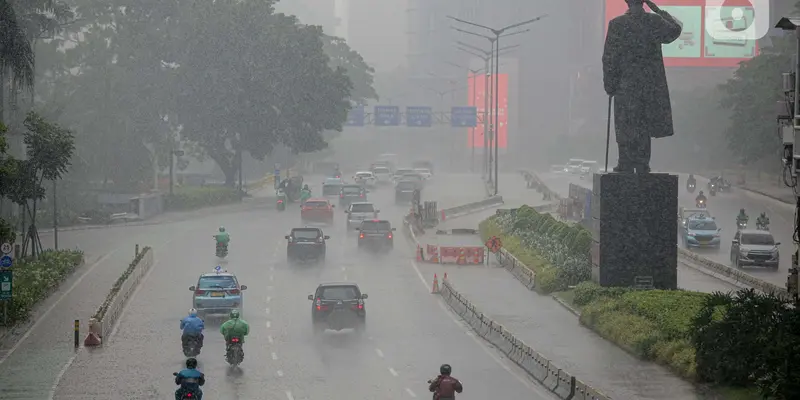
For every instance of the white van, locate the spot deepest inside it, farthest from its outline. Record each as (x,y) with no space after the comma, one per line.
(573,166)
(588,167)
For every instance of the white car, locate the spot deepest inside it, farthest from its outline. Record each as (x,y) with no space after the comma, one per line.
(588,167)
(358,212)
(573,166)
(382,174)
(365,178)
(424,173)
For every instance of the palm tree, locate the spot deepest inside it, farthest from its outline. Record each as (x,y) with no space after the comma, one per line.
(16,52)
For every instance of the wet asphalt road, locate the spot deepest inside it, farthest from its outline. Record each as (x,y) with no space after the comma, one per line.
(409,333)
(724,207)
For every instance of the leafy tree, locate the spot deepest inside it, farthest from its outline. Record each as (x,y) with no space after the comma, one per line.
(7,233)
(249,79)
(360,73)
(49,150)
(751,96)
(16,54)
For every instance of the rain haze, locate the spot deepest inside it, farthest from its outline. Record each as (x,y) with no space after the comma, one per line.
(353,199)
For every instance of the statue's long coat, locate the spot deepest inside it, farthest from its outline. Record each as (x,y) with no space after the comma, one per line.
(633,72)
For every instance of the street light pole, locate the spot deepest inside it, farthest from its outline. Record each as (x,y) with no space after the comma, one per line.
(497,34)
(473,76)
(55,216)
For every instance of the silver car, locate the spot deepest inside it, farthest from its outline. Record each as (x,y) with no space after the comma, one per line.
(358,212)
(751,247)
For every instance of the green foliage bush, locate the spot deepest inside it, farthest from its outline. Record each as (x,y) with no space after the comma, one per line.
(34,280)
(561,250)
(193,197)
(7,232)
(101,311)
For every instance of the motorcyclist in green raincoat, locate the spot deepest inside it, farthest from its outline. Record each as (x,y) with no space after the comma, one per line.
(305,194)
(234,327)
(223,237)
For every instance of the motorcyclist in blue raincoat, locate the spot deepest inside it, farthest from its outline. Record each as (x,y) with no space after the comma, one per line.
(192,326)
(190,380)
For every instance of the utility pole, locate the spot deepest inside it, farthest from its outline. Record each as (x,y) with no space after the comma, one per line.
(498,33)
(55,215)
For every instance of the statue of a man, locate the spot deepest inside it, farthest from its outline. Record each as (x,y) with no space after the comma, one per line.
(633,73)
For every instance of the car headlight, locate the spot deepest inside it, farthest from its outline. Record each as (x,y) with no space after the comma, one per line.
(744,252)
(775,253)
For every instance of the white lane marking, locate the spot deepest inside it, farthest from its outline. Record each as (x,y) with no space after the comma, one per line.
(479,341)
(267,311)
(345,277)
(344,268)
(411,393)
(60,375)
(380,353)
(289,395)
(393,372)
(269,298)
(269,324)
(270,287)
(280,374)
(42,317)
(271,278)
(272,268)
(274,356)
(269,339)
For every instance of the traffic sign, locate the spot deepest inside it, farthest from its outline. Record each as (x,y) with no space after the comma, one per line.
(419,116)
(355,117)
(5,248)
(464,117)
(387,115)
(6,284)
(494,244)
(6,261)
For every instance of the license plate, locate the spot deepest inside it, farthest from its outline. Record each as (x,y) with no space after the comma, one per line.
(217,294)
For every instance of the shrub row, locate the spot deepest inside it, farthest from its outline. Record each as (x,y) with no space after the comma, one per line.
(558,252)
(34,280)
(740,339)
(101,311)
(193,197)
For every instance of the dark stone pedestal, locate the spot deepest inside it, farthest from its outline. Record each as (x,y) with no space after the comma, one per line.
(634,230)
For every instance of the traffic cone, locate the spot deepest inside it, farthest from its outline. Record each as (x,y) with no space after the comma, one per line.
(444,218)
(92,340)
(461,259)
(435,288)
(445,277)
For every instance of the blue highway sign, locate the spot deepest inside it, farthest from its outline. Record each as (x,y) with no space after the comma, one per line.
(6,261)
(387,115)
(419,116)
(356,116)
(461,117)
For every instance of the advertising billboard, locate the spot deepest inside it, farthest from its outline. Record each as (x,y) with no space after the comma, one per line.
(476,97)
(714,32)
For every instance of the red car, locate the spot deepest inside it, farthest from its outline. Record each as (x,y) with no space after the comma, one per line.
(317,210)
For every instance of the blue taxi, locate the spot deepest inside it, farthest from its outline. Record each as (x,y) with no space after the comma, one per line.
(701,231)
(217,293)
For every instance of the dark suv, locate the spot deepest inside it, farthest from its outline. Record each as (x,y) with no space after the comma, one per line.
(352,194)
(376,234)
(404,192)
(337,306)
(306,244)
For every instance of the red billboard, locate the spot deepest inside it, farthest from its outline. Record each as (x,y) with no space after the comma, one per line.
(695,47)
(475,97)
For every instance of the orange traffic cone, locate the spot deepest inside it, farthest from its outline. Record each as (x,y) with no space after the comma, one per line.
(461,259)
(445,277)
(435,288)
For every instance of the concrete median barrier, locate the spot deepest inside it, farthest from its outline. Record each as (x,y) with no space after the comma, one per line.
(102,322)
(470,208)
(560,382)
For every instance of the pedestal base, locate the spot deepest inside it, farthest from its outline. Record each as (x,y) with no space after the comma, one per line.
(634,230)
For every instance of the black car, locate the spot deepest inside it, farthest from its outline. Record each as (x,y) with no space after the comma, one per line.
(306,244)
(337,306)
(351,194)
(404,192)
(423,164)
(376,234)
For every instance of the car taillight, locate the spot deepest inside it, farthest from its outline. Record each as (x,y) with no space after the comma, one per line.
(361,236)
(319,305)
(389,235)
(341,195)
(361,195)
(359,306)
(199,292)
(233,291)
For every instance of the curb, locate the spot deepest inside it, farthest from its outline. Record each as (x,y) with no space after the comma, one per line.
(566,305)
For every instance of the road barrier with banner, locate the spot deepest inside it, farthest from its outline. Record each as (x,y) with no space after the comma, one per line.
(563,384)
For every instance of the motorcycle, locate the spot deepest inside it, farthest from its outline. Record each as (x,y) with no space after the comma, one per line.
(191,348)
(690,187)
(701,203)
(762,226)
(235,353)
(184,394)
(712,189)
(741,225)
(222,250)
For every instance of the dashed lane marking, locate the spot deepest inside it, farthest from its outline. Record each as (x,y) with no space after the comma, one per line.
(269,324)
(393,372)
(280,374)
(289,395)
(269,339)
(274,356)
(411,393)
(380,353)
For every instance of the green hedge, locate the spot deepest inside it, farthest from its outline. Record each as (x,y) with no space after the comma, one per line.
(193,197)
(741,340)
(101,311)
(557,252)
(34,280)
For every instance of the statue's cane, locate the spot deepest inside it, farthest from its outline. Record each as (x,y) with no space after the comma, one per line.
(608,130)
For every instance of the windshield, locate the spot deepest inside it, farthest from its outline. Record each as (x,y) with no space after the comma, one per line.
(376,226)
(381,170)
(364,174)
(359,208)
(574,162)
(316,204)
(351,190)
(590,164)
(333,181)
(404,171)
(423,170)
(700,225)
(405,185)
(339,293)
(216,282)
(305,233)
(758,239)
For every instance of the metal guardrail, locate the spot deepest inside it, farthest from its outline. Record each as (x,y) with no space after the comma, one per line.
(560,382)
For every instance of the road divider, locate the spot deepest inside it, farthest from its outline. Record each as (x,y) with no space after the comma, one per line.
(102,322)
(557,380)
(717,269)
(470,208)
